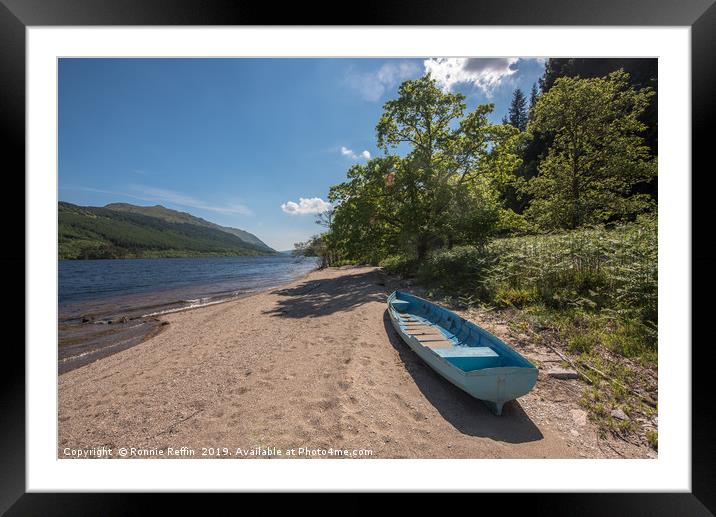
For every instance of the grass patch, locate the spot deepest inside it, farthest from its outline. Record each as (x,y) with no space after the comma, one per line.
(583,343)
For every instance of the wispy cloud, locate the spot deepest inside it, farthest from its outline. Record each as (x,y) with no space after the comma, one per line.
(314,205)
(99,191)
(353,155)
(484,73)
(161,195)
(373,85)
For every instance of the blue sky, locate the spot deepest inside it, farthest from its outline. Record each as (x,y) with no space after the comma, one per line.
(240,142)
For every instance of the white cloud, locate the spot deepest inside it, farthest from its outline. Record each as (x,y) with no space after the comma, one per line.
(484,73)
(353,155)
(177,198)
(314,205)
(373,85)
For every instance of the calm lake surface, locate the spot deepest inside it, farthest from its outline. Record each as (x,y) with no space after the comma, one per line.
(109,305)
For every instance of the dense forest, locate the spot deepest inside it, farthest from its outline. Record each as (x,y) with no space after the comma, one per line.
(551,212)
(128,231)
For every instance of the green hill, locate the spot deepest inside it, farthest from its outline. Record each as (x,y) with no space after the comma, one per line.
(174,216)
(128,231)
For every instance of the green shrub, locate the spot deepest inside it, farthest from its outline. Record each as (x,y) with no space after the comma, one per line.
(590,268)
(399,265)
(506,295)
(632,338)
(459,269)
(603,280)
(341,263)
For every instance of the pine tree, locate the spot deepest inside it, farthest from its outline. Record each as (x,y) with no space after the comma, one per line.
(533,96)
(517,115)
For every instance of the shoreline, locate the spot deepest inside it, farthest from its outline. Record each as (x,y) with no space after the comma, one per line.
(314,363)
(125,332)
(208,256)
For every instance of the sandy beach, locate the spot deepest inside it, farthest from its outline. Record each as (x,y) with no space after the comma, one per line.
(316,365)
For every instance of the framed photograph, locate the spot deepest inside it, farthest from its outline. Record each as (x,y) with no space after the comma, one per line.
(442,249)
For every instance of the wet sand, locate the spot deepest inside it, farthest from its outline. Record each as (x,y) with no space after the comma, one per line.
(317,365)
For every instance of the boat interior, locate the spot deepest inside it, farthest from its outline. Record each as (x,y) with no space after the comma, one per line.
(460,342)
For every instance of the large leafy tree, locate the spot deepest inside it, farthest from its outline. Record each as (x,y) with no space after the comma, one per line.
(367,219)
(597,156)
(434,186)
(642,73)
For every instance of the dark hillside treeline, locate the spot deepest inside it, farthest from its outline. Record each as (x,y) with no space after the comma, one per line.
(102,233)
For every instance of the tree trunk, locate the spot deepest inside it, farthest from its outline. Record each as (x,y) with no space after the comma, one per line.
(422,248)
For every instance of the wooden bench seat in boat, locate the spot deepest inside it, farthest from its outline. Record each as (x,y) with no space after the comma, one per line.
(424,331)
(437,343)
(470,357)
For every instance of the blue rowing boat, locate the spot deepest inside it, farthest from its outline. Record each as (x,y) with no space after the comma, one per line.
(465,354)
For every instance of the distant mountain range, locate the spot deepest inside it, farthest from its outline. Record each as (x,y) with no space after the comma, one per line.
(121,230)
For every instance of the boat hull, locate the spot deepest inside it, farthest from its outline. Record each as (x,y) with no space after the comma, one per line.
(508,377)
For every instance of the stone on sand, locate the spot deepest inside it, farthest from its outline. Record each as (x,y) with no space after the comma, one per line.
(619,414)
(563,373)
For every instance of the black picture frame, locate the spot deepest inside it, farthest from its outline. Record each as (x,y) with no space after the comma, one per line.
(700,15)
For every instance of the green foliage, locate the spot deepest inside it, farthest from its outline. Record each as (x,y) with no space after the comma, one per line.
(591,268)
(316,246)
(313,247)
(631,337)
(450,182)
(399,265)
(101,233)
(583,342)
(612,271)
(534,95)
(510,222)
(597,156)
(460,269)
(174,216)
(642,73)
(506,295)
(441,193)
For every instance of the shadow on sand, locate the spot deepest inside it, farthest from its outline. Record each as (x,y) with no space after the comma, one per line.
(467,414)
(326,296)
